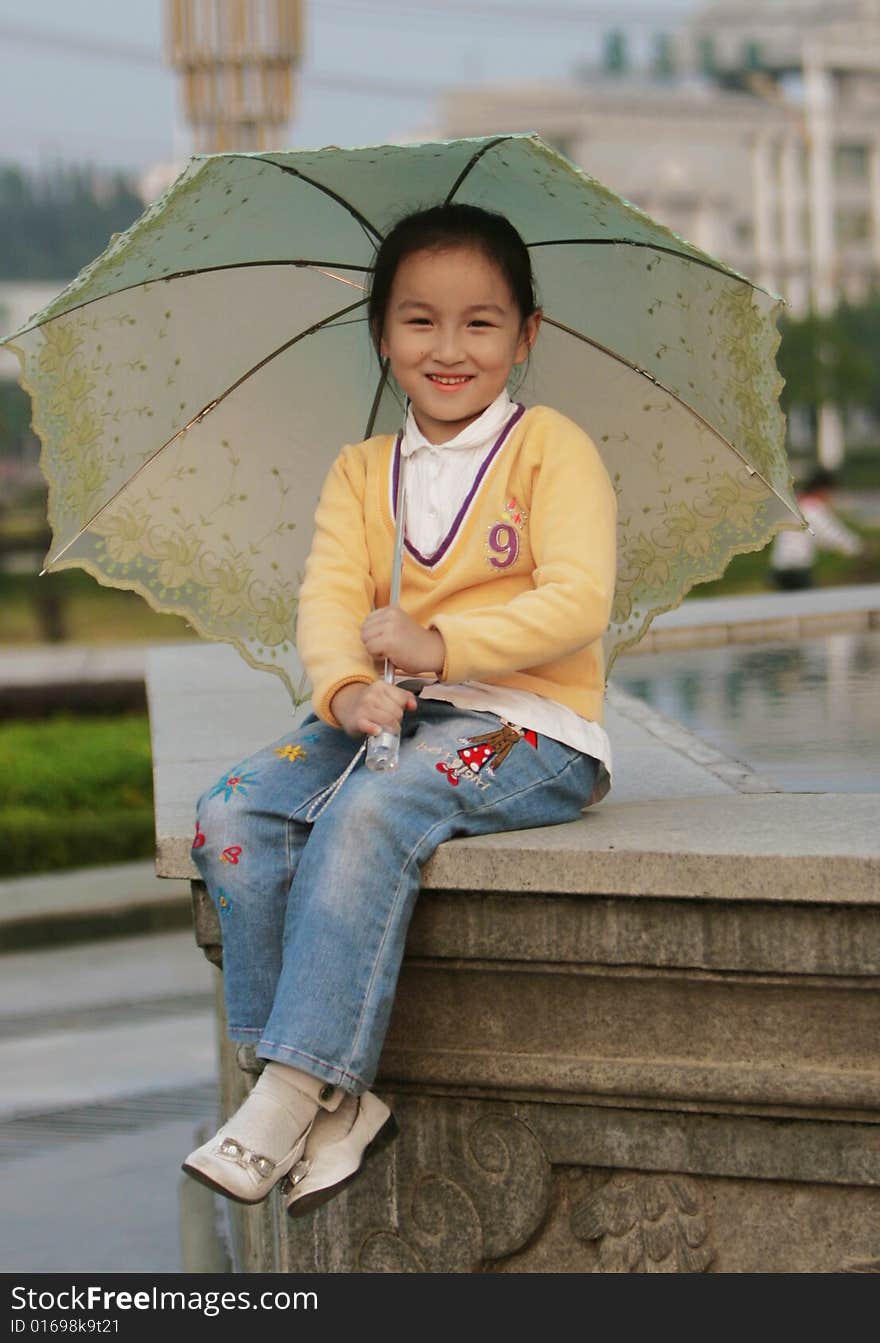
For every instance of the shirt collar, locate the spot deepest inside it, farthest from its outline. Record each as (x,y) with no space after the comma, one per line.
(479,433)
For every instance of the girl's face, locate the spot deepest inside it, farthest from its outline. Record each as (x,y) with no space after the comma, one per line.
(453,333)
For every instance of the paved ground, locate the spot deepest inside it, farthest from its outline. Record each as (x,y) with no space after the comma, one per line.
(107,1050)
(87,903)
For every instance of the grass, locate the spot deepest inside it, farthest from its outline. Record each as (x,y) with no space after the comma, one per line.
(77,791)
(91,613)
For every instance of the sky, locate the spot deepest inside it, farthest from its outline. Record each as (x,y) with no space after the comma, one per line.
(87,82)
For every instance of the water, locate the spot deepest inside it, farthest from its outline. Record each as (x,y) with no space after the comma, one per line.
(804,714)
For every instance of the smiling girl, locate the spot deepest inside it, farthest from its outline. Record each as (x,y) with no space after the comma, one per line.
(506,592)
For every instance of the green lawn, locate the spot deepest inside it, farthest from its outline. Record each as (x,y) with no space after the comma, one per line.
(77,791)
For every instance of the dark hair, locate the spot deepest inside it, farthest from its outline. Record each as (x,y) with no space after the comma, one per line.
(452,225)
(820,479)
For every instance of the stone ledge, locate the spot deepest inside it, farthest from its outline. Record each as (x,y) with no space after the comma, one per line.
(758,939)
(81,904)
(705,622)
(673,1035)
(742,936)
(801,848)
(768,629)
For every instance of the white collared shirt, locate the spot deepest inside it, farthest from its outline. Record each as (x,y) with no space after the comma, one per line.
(438,478)
(439,475)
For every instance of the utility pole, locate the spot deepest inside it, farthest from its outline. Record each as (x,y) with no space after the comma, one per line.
(236,60)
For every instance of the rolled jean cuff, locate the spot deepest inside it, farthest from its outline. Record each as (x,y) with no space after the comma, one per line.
(328,1072)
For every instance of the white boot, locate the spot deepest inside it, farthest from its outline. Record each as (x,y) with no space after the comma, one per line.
(267,1135)
(335,1149)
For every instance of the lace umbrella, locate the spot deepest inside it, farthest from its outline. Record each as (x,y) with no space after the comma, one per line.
(193,384)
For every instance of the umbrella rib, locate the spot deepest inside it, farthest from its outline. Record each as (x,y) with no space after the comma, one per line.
(200,270)
(622,359)
(196,419)
(655,247)
(472,163)
(328,191)
(380,387)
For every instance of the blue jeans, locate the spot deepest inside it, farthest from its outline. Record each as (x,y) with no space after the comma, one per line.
(315,913)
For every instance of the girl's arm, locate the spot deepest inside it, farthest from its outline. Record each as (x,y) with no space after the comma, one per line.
(338,590)
(573,533)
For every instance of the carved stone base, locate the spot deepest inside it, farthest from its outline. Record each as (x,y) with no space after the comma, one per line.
(685,1112)
(468,1187)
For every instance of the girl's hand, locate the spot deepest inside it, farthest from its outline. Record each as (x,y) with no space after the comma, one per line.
(367,709)
(390,633)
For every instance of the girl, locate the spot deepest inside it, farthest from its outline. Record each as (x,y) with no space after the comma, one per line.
(312,860)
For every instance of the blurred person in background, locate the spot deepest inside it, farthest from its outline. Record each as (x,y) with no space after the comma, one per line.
(794,552)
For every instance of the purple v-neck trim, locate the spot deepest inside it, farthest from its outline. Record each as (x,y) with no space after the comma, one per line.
(450,536)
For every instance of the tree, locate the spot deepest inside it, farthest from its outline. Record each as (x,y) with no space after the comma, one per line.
(53,223)
(615,59)
(832,359)
(15,413)
(859,326)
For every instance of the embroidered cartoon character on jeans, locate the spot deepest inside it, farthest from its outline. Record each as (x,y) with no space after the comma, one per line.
(486,752)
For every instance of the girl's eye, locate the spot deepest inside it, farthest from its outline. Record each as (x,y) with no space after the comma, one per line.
(426,321)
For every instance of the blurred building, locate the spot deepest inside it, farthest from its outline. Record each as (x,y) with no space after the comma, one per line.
(755,135)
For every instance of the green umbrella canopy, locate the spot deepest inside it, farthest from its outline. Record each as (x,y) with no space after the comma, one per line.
(193,384)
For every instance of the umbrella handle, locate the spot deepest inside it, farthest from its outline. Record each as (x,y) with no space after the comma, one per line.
(383,750)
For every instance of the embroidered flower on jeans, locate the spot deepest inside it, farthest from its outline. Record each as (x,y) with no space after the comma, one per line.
(232,784)
(290,752)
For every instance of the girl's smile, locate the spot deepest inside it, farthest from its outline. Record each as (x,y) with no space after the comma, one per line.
(453,332)
(448,384)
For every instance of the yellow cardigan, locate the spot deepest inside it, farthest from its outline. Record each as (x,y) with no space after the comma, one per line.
(520,589)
